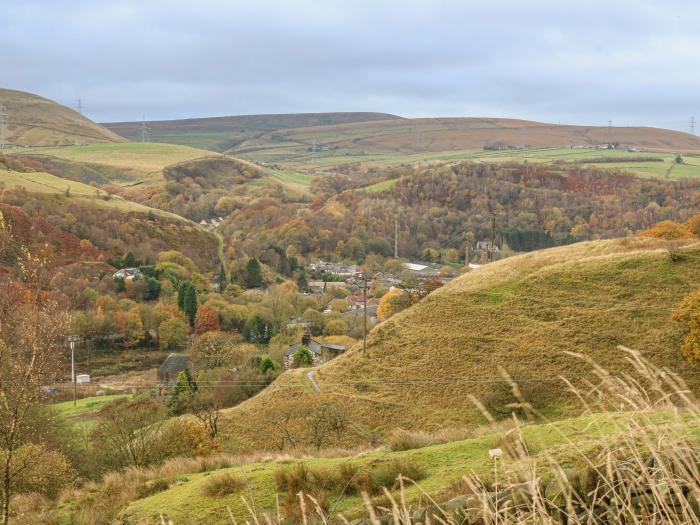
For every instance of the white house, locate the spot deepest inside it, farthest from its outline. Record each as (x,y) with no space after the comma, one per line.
(128,274)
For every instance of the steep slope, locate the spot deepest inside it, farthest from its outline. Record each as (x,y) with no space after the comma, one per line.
(519,314)
(222,133)
(36,121)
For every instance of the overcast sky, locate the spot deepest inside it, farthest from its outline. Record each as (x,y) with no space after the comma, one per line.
(584,62)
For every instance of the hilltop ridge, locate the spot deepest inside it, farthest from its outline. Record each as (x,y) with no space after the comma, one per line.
(36,121)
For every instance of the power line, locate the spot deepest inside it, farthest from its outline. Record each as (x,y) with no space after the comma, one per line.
(145,129)
(3,124)
(314,151)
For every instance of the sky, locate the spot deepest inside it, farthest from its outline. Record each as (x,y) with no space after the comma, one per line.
(574,62)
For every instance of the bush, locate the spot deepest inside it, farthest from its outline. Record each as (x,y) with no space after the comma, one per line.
(151,487)
(385,475)
(401,439)
(222,485)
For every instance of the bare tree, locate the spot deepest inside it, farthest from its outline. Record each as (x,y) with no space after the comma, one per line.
(325,420)
(130,430)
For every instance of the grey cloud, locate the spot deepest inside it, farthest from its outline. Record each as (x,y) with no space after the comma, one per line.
(578,62)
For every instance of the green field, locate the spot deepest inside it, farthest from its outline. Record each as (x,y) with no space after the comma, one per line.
(85,410)
(143,161)
(327,161)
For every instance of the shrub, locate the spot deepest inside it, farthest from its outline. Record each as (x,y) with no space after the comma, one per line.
(223,485)
(151,487)
(385,475)
(401,439)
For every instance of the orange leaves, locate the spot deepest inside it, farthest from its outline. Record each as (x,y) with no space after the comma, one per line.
(668,230)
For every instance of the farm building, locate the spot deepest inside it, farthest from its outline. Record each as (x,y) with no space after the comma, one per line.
(321,352)
(171,367)
(128,274)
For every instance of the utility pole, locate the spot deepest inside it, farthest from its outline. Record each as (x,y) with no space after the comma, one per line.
(79,106)
(3,124)
(71,341)
(396,238)
(493,236)
(609,133)
(692,125)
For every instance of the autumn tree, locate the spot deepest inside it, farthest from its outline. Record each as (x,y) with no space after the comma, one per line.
(220,349)
(33,330)
(392,302)
(206,320)
(172,333)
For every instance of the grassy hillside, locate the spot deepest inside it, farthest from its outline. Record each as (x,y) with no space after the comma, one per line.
(520,314)
(178,490)
(36,121)
(223,133)
(37,182)
(179,179)
(389,143)
(134,162)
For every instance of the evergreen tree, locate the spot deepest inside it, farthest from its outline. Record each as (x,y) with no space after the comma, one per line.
(130,260)
(302,282)
(182,393)
(253,274)
(181,291)
(222,278)
(189,305)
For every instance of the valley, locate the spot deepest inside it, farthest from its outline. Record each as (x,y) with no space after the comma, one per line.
(332,304)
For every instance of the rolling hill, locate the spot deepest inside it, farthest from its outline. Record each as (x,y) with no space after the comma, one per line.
(36,121)
(520,314)
(386,143)
(223,133)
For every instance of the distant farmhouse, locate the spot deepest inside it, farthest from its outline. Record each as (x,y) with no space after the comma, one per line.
(321,352)
(128,274)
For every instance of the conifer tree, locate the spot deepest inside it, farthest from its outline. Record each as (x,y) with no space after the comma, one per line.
(253,274)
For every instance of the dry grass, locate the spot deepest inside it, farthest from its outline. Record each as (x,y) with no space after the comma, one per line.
(518,315)
(223,485)
(647,472)
(36,121)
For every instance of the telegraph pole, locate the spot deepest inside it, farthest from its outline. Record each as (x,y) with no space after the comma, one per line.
(71,341)
(396,238)
(610,133)
(493,236)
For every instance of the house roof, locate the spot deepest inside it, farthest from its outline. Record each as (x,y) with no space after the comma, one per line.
(174,363)
(315,347)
